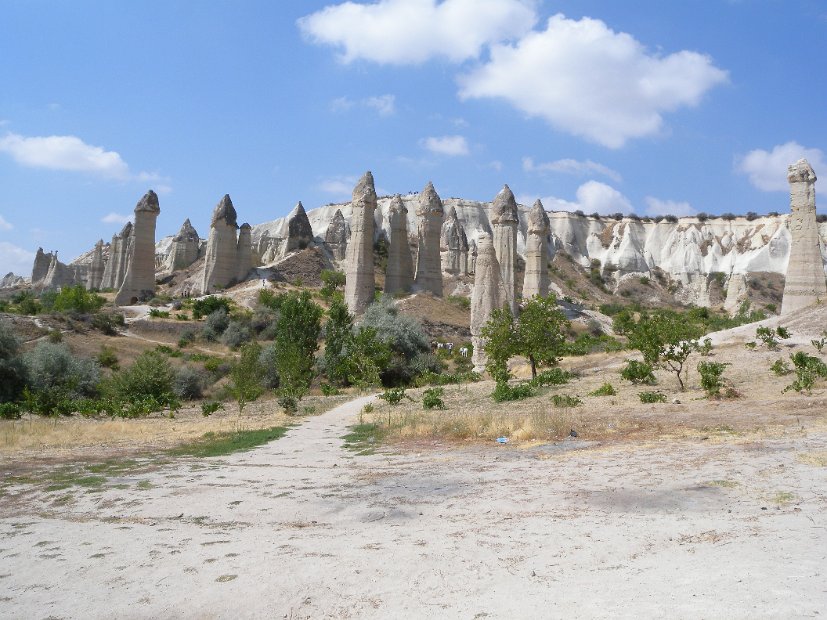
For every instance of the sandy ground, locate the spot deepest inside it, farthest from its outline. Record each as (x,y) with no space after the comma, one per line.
(303,528)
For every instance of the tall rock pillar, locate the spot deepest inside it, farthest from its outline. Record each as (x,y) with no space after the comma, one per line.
(399,274)
(115,269)
(186,246)
(488,295)
(359,276)
(337,235)
(428,262)
(536,253)
(139,277)
(96,268)
(221,260)
(245,252)
(504,221)
(454,245)
(804,284)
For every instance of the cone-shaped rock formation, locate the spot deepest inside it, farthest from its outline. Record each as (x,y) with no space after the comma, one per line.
(139,276)
(536,253)
(359,275)
(221,261)
(399,273)
(428,268)
(337,235)
(185,248)
(504,221)
(488,295)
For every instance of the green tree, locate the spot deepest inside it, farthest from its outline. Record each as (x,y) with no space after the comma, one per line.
(12,369)
(365,357)
(246,375)
(500,337)
(337,333)
(332,281)
(665,339)
(77,299)
(297,339)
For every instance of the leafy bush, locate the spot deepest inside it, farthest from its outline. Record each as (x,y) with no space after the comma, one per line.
(236,334)
(216,323)
(108,322)
(505,392)
(604,390)
(564,400)
(288,403)
(705,348)
(210,407)
(188,383)
(432,398)
(432,378)
(108,358)
(652,397)
(463,303)
(807,370)
(186,339)
(780,367)
(246,375)
(263,322)
(208,305)
(10,411)
(269,370)
(55,336)
(712,376)
(332,281)
(154,313)
(638,373)
(77,299)
(149,379)
(329,390)
(404,336)
(56,377)
(12,368)
(394,396)
(553,376)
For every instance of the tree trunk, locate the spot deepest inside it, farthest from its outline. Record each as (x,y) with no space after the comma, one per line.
(533,366)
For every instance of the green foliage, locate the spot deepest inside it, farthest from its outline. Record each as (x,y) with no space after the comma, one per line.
(638,373)
(767,336)
(12,368)
(221,444)
(666,340)
(807,370)
(154,313)
(108,358)
(505,392)
(553,376)
(208,305)
(236,334)
(588,343)
(148,381)
(26,303)
(365,358)
(216,323)
(297,339)
(705,348)
(604,390)
(186,339)
(10,411)
(108,322)
(77,299)
(652,397)
(432,378)
(209,407)
(56,377)
(270,299)
(269,370)
(610,309)
(394,396)
(288,403)
(780,367)
(329,390)
(463,303)
(337,334)
(432,398)
(332,281)
(819,344)
(565,400)
(712,377)
(246,375)
(188,383)
(55,336)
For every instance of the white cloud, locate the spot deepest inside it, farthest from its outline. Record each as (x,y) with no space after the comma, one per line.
(4,224)
(402,32)
(16,259)
(585,79)
(72,154)
(116,218)
(571,166)
(767,170)
(655,206)
(496,165)
(452,146)
(339,185)
(592,197)
(384,105)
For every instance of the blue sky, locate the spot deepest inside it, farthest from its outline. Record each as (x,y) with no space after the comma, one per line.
(647,107)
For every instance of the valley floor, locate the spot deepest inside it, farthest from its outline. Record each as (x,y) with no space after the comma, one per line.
(732,526)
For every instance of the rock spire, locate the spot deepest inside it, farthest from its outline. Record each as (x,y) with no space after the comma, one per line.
(337,235)
(536,253)
(185,248)
(399,273)
(428,263)
(221,261)
(804,284)
(115,269)
(504,221)
(359,276)
(244,258)
(454,245)
(299,230)
(139,276)
(488,295)
(96,268)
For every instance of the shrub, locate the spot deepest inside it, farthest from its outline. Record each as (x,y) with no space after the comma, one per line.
(780,367)
(56,377)
(564,400)
(460,302)
(332,281)
(188,383)
(288,403)
(154,313)
(216,323)
(768,337)
(246,375)
(55,336)
(705,348)
(604,390)
(329,390)
(638,373)
(505,392)
(553,376)
(186,339)
(652,397)
(149,378)
(819,344)
(208,305)
(108,322)
(263,322)
(10,411)
(77,299)
(712,376)
(236,334)
(394,396)
(807,370)
(12,368)
(269,370)
(108,358)
(210,407)
(432,398)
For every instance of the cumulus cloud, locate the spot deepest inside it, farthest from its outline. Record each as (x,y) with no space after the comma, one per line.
(16,259)
(452,146)
(571,166)
(585,79)
(383,105)
(404,32)
(116,218)
(767,170)
(4,224)
(591,197)
(655,206)
(72,154)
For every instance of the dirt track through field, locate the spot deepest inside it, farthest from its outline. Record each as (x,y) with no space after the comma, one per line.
(304,528)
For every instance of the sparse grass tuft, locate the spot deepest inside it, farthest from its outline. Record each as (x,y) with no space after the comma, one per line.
(221,444)
(364,438)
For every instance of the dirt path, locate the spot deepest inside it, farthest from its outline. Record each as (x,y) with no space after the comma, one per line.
(302,528)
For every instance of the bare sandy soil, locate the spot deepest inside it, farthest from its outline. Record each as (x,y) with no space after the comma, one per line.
(732,526)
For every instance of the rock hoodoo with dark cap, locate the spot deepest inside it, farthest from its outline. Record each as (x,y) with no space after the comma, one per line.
(139,276)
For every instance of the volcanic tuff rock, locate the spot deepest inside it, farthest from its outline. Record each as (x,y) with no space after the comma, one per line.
(428,261)
(536,253)
(42,261)
(336,235)
(244,259)
(804,284)
(115,269)
(359,276)
(488,295)
(10,280)
(139,279)
(96,268)
(399,272)
(185,248)
(454,245)
(221,262)
(505,219)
